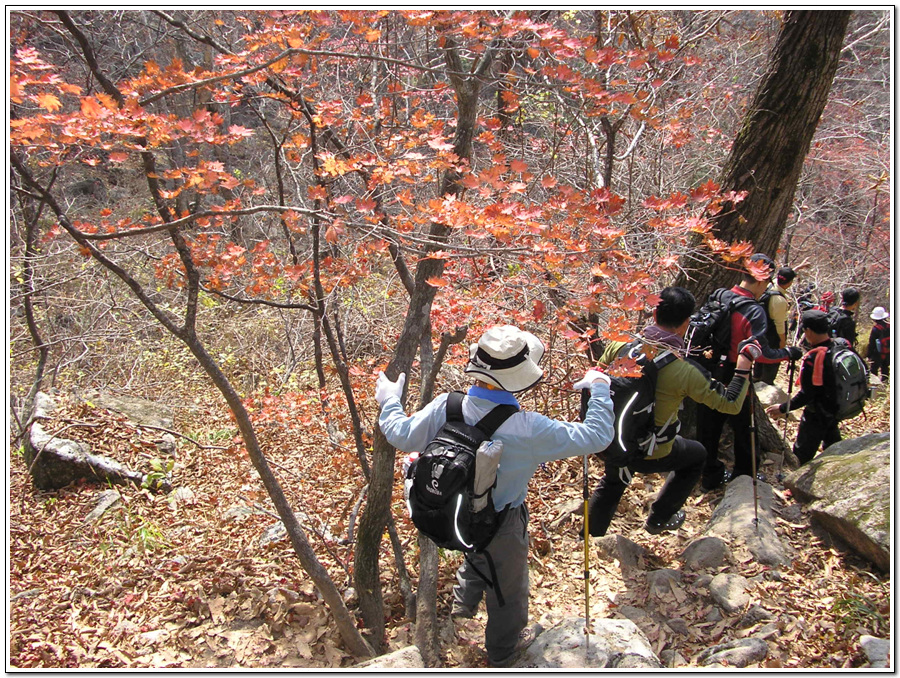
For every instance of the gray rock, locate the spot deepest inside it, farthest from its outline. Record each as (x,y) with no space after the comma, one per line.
(714,615)
(702,581)
(55,462)
(661,581)
(735,519)
(849,487)
(631,556)
(138,410)
(767,394)
(737,653)
(730,592)
(705,552)
(105,501)
(679,626)
(878,651)
(405,658)
(636,614)
(673,659)
(613,643)
(755,615)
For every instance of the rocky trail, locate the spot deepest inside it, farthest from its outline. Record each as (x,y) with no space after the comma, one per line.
(120,577)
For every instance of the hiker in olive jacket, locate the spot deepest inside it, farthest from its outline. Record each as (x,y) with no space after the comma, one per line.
(676,381)
(818,391)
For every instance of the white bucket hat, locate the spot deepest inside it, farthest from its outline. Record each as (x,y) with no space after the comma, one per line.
(508,357)
(878,313)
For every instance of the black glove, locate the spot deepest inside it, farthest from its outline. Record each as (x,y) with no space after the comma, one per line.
(750,348)
(795,352)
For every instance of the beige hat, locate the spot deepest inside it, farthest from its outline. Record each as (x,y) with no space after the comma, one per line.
(508,357)
(878,313)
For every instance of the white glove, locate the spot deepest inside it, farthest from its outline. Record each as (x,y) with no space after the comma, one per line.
(590,378)
(385,388)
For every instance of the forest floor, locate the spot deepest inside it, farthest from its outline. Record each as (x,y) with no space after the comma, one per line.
(202,577)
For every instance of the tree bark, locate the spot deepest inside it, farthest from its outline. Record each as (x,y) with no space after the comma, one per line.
(768,153)
(377,509)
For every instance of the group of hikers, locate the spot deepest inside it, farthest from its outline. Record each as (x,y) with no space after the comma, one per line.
(507,361)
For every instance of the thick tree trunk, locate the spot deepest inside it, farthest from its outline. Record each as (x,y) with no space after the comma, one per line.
(769,151)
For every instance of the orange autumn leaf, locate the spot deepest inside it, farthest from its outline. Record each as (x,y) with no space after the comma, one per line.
(436,281)
(91,108)
(49,101)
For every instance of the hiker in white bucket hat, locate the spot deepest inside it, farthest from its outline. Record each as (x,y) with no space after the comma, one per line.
(879,349)
(504,361)
(507,358)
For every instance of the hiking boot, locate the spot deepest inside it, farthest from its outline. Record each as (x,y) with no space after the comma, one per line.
(673,523)
(707,485)
(526,638)
(460,611)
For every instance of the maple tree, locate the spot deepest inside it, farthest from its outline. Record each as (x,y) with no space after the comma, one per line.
(389,176)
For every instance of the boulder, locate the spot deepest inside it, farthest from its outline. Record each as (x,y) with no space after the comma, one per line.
(705,552)
(613,643)
(848,489)
(737,653)
(406,658)
(737,519)
(631,556)
(730,592)
(140,412)
(55,462)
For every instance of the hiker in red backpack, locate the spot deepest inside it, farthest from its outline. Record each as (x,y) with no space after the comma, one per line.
(748,320)
(818,391)
(879,351)
(505,361)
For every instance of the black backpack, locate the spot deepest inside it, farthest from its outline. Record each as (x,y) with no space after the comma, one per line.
(634,399)
(440,484)
(708,336)
(840,323)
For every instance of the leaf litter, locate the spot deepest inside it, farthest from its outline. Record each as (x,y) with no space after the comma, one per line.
(186,580)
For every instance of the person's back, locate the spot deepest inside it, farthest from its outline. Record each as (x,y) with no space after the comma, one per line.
(818,390)
(841,320)
(505,361)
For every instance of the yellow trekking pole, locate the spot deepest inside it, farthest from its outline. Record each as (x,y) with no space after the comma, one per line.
(587,560)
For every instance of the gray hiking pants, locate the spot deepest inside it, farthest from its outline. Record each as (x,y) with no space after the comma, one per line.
(509,550)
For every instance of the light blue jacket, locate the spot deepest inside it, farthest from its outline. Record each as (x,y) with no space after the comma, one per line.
(529,438)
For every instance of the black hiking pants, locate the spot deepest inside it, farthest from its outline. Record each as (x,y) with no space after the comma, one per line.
(710,423)
(816,428)
(686,459)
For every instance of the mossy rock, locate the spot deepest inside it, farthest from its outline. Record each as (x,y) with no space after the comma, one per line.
(848,489)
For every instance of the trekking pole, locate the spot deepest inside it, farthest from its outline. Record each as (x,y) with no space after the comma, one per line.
(752,395)
(587,571)
(585,398)
(787,411)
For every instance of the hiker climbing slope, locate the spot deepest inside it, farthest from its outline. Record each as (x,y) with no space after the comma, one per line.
(677,380)
(747,320)
(505,361)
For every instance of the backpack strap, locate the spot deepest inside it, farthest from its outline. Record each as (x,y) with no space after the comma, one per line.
(491,421)
(495,418)
(454,406)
